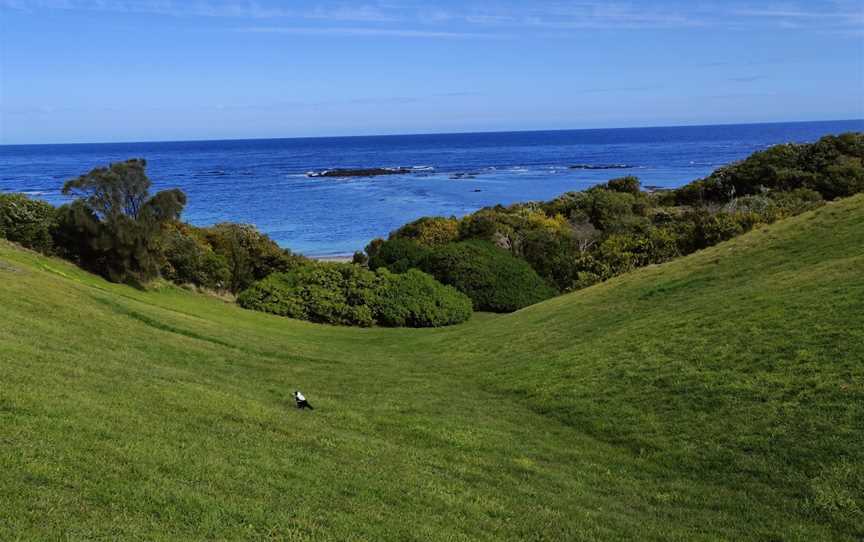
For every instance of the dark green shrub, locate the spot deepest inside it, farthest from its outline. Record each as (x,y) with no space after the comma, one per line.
(701,192)
(833,166)
(75,227)
(340,294)
(371,252)
(628,184)
(415,299)
(277,294)
(27,222)
(607,209)
(493,279)
(551,255)
(483,224)
(398,255)
(347,294)
(843,178)
(713,228)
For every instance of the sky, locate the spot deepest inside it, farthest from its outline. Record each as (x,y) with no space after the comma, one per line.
(153,70)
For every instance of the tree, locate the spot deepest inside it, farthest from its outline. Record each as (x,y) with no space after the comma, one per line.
(250,254)
(584,234)
(117,222)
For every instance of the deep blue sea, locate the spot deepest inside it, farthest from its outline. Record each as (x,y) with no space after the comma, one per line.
(264,182)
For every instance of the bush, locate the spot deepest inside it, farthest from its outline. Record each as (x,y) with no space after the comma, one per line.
(797,201)
(551,255)
(843,178)
(833,166)
(484,224)
(189,260)
(27,222)
(250,254)
(628,185)
(415,299)
(347,294)
(397,255)
(607,209)
(713,228)
(493,279)
(433,231)
(323,293)
(581,238)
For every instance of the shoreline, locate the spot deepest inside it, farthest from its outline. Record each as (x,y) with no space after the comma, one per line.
(335,258)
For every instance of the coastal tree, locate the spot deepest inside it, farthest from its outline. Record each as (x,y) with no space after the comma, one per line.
(114,226)
(250,254)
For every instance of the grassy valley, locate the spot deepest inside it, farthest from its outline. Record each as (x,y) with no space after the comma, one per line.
(716,396)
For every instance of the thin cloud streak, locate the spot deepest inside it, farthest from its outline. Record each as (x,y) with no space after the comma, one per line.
(419,20)
(368,31)
(747,79)
(616,89)
(233,9)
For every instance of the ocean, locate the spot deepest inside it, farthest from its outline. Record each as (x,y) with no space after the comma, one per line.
(264,181)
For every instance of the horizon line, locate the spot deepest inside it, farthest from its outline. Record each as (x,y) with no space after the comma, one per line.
(413,134)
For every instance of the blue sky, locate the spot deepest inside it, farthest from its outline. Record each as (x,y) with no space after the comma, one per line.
(133,70)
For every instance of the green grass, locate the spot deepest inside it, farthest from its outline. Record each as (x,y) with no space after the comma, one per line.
(717,397)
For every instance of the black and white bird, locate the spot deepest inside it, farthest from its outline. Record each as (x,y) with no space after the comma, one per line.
(301,401)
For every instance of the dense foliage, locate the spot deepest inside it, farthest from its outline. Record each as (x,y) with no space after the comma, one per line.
(114,227)
(226,256)
(493,278)
(189,259)
(581,238)
(27,222)
(832,167)
(430,231)
(415,299)
(347,294)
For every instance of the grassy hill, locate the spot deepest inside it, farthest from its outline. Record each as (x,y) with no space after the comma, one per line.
(720,396)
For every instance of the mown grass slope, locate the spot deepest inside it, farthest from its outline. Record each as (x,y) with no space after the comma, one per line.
(719,396)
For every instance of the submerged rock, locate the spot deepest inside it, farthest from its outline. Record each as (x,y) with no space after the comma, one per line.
(467,175)
(360,172)
(601,166)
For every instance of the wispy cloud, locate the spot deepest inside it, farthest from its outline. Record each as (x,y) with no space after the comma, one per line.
(249,9)
(839,15)
(796,14)
(476,19)
(615,89)
(747,79)
(369,31)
